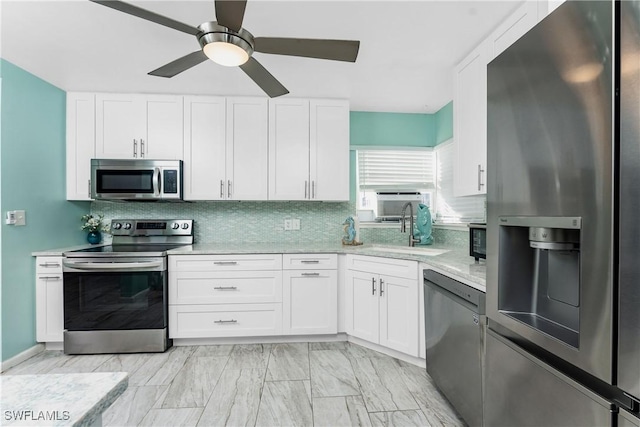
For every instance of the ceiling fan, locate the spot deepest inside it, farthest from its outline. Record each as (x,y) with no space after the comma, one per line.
(225,42)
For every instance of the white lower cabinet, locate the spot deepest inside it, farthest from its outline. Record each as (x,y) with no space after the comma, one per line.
(382,308)
(49,299)
(214,296)
(310,302)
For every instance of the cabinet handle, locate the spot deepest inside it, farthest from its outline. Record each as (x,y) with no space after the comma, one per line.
(225,288)
(310,274)
(50,264)
(225,262)
(480,183)
(141,147)
(225,321)
(49,277)
(229,189)
(373,286)
(305,189)
(381,287)
(89,189)
(222,189)
(135,148)
(313,189)
(309,261)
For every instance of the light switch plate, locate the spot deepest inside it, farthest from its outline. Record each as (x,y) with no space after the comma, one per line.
(16,218)
(295,224)
(287,225)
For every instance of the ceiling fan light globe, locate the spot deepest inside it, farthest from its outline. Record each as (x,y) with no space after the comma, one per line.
(226,54)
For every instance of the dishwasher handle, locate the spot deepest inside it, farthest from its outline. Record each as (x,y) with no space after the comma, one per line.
(470,297)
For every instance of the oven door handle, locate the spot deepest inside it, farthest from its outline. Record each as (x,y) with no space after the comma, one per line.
(110,266)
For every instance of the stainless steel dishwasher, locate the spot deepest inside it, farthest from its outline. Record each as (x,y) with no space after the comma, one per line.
(454,332)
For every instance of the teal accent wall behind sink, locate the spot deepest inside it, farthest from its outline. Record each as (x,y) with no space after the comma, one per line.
(32,170)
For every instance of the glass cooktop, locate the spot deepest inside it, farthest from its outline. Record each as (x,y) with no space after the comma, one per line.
(124,250)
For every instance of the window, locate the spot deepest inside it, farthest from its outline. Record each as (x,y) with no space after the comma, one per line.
(387,178)
(450,209)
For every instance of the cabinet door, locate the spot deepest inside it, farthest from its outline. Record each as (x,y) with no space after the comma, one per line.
(361,305)
(80,144)
(515,26)
(310,302)
(49,308)
(163,135)
(120,125)
(470,124)
(399,314)
(289,149)
(204,148)
(247,149)
(329,150)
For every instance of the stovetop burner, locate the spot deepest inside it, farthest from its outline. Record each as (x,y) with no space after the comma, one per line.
(141,238)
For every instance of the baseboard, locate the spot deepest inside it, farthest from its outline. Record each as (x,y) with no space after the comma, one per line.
(258,340)
(21,357)
(388,351)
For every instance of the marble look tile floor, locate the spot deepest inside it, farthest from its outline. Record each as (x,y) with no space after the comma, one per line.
(301,384)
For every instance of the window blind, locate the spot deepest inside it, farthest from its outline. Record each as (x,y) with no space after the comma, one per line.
(450,208)
(410,170)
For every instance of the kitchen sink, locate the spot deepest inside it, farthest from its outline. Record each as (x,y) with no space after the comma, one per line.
(409,250)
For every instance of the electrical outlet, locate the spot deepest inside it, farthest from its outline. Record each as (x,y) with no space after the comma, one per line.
(288,226)
(295,224)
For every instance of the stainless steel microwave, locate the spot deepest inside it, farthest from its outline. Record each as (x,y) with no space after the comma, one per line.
(136,180)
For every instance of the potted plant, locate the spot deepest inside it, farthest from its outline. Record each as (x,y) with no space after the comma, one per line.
(95,226)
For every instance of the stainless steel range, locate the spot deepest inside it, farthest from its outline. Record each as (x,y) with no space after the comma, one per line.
(115,296)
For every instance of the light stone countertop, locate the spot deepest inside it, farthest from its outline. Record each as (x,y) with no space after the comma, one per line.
(455,262)
(58,399)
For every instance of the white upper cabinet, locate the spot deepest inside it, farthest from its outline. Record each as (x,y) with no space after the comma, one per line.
(308,150)
(470,123)
(204,172)
(289,149)
(512,28)
(133,126)
(329,156)
(247,149)
(225,151)
(80,144)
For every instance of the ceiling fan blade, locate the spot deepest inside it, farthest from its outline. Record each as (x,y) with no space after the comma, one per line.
(179,65)
(229,13)
(148,15)
(337,50)
(263,78)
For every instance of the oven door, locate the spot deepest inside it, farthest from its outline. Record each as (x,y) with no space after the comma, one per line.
(115,294)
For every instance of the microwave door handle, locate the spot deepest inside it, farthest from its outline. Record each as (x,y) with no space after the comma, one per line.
(156,182)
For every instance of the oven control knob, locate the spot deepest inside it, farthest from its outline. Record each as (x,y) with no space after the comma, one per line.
(175,225)
(185,226)
(117,226)
(127,226)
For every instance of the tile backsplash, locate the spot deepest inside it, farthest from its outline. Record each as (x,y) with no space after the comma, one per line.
(254,222)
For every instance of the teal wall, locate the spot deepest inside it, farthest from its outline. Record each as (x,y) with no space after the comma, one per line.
(376,129)
(444,123)
(32,169)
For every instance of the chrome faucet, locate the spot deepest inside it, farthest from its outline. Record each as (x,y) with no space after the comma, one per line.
(403,223)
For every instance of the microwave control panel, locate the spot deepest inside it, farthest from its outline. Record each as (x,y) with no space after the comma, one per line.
(170,181)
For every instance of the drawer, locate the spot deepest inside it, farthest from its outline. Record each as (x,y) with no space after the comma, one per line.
(48,264)
(386,266)
(225,287)
(226,320)
(307,261)
(224,262)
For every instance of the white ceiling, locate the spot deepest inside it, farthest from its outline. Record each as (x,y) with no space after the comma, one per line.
(407,48)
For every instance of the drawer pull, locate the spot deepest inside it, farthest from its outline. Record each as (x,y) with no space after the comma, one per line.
(50,264)
(225,262)
(225,321)
(310,274)
(225,288)
(49,277)
(310,261)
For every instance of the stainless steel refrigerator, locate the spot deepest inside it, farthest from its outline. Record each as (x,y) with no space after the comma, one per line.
(563,241)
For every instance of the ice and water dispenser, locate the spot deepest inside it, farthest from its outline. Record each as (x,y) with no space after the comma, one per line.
(539,274)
